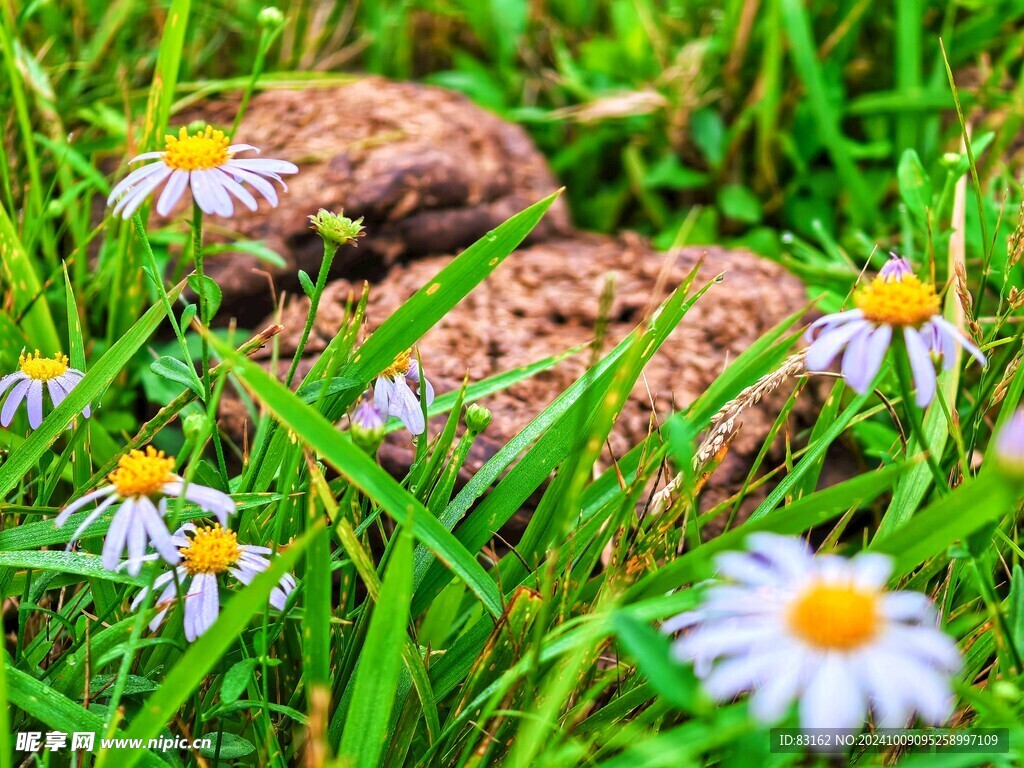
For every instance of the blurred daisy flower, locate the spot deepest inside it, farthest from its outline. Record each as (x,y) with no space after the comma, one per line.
(895,301)
(393,396)
(140,478)
(206,553)
(34,371)
(205,162)
(1009,445)
(788,625)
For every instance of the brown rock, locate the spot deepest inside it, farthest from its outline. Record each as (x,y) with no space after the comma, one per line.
(429,171)
(544,299)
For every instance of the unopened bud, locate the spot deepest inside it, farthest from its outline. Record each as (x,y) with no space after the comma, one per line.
(477,418)
(270,18)
(335,228)
(367,427)
(194,426)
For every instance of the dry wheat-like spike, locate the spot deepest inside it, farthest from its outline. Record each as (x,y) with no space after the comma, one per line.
(1015,249)
(1004,383)
(763,387)
(1015,298)
(966,301)
(724,425)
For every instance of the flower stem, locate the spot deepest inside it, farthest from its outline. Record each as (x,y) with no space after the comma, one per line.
(155,276)
(197,259)
(267,37)
(903,373)
(330,249)
(204,322)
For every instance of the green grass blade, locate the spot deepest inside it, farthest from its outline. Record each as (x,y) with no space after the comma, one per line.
(20,278)
(165,78)
(363,472)
(863,202)
(61,713)
(380,664)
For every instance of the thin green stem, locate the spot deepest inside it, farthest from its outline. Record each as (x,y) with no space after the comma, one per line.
(913,413)
(197,260)
(204,322)
(267,38)
(154,275)
(330,249)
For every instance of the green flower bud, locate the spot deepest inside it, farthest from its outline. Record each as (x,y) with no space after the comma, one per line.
(367,428)
(336,229)
(194,426)
(477,418)
(270,18)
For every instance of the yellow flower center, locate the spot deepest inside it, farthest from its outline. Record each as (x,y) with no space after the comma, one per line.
(835,617)
(40,368)
(142,474)
(898,302)
(206,149)
(212,550)
(401,365)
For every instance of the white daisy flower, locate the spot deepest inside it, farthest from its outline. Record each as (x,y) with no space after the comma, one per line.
(137,481)
(822,630)
(27,382)
(205,554)
(205,162)
(895,302)
(393,396)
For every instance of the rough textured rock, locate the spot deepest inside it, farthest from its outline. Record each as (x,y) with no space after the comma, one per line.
(544,299)
(429,171)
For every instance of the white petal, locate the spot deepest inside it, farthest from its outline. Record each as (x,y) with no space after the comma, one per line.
(13,401)
(835,320)
(921,365)
(263,166)
(203,192)
(908,606)
(833,698)
(90,518)
(146,156)
(256,181)
(8,381)
(928,644)
(871,570)
(770,702)
(724,638)
(406,407)
(172,192)
(34,399)
(207,499)
(960,337)
(131,202)
(76,505)
(383,394)
(236,189)
(117,537)
(890,700)
(744,673)
(825,348)
(159,536)
(133,179)
(56,390)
